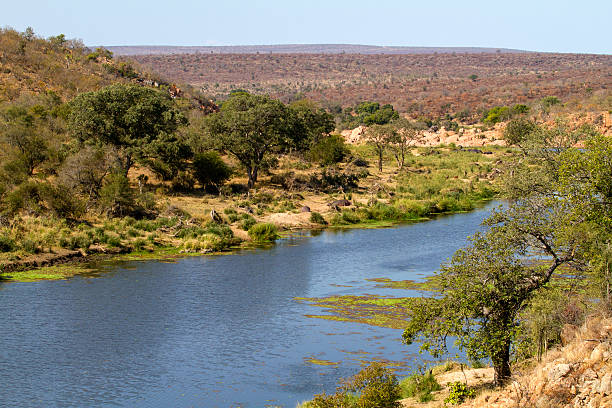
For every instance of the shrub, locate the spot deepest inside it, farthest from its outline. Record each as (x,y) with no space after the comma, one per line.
(247,222)
(459,392)
(518,129)
(375,386)
(210,170)
(62,202)
(419,386)
(328,150)
(7,244)
(116,196)
(263,232)
(317,218)
(183,181)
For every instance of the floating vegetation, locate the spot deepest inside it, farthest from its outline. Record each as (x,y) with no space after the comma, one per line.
(58,272)
(375,310)
(369,309)
(316,361)
(430,284)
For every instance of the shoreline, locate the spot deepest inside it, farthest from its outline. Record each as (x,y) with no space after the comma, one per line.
(69,263)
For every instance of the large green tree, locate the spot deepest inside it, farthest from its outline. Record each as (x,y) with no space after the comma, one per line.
(130,118)
(486,285)
(251,127)
(562,219)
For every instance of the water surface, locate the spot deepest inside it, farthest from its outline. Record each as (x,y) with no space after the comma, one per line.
(221,331)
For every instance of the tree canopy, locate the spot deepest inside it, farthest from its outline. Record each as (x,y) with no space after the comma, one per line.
(251,127)
(485,286)
(130,118)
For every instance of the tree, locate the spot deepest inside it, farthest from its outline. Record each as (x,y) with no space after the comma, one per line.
(486,285)
(379,137)
(403,138)
(210,170)
(517,130)
(251,127)
(328,150)
(310,121)
(564,220)
(23,131)
(128,117)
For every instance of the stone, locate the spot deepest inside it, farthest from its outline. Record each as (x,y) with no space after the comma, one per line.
(559,371)
(605,385)
(305,209)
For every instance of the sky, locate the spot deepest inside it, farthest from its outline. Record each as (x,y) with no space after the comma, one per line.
(537,25)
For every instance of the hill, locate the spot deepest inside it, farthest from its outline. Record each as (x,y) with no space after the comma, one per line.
(418,84)
(299,49)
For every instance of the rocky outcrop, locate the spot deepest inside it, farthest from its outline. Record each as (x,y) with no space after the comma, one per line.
(578,374)
(468,137)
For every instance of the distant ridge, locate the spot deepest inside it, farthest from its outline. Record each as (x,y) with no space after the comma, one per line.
(300,49)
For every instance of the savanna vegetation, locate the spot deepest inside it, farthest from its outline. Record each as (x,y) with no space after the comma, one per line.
(107,158)
(99,156)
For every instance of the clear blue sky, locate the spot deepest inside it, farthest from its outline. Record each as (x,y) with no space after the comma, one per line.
(541,25)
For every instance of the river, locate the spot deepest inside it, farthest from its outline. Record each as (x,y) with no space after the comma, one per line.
(213,331)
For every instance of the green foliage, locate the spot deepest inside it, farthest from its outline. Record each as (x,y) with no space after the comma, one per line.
(317,218)
(375,386)
(131,118)
(328,150)
(311,121)
(7,244)
(247,222)
(459,392)
(497,114)
(518,130)
(419,386)
(116,196)
(549,101)
(263,232)
(210,170)
(252,128)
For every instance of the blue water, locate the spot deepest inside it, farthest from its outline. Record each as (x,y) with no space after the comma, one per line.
(222,331)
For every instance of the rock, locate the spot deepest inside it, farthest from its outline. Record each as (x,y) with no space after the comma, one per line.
(598,353)
(340,203)
(558,371)
(605,385)
(305,209)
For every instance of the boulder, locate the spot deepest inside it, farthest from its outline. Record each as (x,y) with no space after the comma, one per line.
(340,203)
(305,209)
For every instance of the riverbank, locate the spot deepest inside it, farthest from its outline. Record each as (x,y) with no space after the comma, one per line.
(436,181)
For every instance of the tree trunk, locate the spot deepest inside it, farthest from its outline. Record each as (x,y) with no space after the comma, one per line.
(252,177)
(501,365)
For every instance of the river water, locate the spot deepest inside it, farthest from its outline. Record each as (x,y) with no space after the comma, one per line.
(213,331)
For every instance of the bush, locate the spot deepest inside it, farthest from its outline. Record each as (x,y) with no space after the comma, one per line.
(62,202)
(263,232)
(459,392)
(7,244)
(247,222)
(328,150)
(517,130)
(419,386)
(210,170)
(375,386)
(317,218)
(116,196)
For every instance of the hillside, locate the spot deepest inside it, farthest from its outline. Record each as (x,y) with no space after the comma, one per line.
(299,49)
(425,84)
